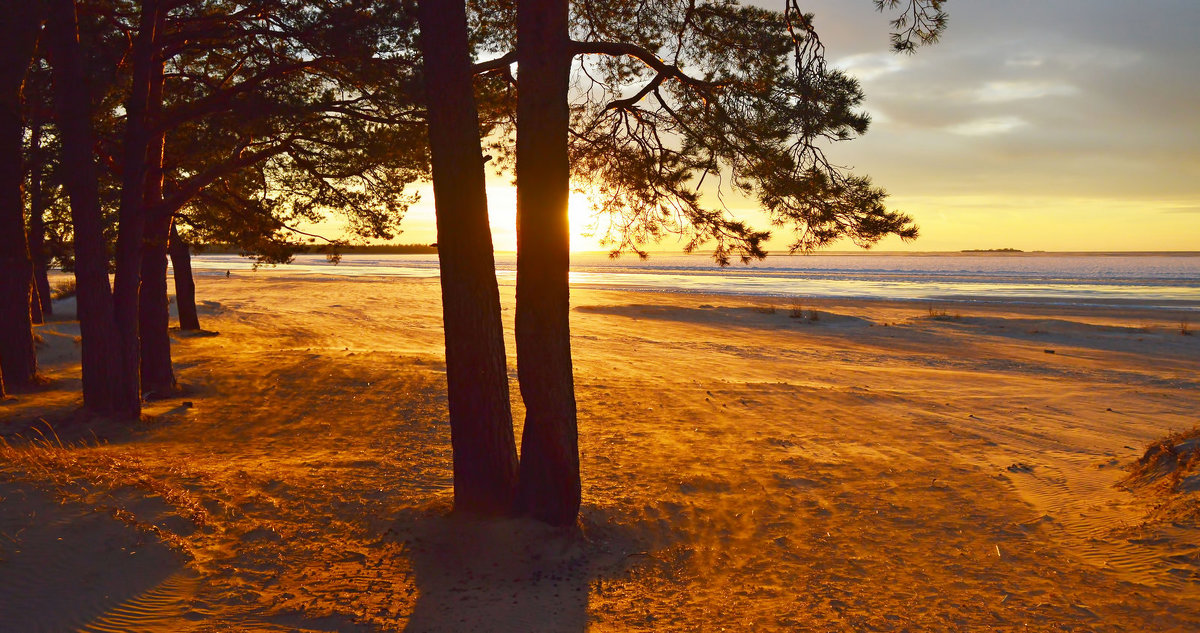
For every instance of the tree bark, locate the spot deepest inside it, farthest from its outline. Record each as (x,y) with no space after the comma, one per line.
(131,228)
(19,26)
(105,388)
(481,433)
(185,286)
(35,301)
(158,379)
(37,220)
(549,484)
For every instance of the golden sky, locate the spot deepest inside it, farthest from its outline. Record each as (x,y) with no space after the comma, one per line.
(1071,125)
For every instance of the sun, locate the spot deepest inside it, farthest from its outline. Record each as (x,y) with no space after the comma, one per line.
(579,215)
(502,215)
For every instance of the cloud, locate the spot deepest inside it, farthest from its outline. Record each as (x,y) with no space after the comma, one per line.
(989,126)
(868,66)
(1025,60)
(1006,91)
(1077,98)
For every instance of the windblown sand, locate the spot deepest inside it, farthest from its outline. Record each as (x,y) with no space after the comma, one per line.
(882,467)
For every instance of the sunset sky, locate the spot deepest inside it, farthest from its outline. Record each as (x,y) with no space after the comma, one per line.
(1065,125)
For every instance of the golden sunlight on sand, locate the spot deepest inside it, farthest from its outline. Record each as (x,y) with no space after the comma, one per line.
(748,466)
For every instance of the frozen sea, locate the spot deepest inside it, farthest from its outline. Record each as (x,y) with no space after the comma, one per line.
(1168,281)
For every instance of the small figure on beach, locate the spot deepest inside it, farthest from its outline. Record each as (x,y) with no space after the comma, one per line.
(227,274)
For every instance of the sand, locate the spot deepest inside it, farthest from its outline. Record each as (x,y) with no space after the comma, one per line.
(882,467)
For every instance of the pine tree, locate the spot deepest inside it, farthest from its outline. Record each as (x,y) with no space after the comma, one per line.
(671,93)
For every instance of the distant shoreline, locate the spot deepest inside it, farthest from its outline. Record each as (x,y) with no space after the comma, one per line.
(431,249)
(354,249)
(960,253)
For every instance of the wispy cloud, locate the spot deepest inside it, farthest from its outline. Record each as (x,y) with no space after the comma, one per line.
(990,126)
(868,66)
(1025,60)
(1006,91)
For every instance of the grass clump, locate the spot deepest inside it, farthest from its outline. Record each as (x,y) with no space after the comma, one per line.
(63,289)
(940,314)
(92,474)
(1169,472)
(797,311)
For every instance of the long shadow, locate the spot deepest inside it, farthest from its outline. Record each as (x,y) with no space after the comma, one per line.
(497,575)
(62,565)
(511,574)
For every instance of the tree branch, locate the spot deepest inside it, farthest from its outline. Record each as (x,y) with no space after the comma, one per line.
(647,89)
(492,65)
(194,185)
(617,49)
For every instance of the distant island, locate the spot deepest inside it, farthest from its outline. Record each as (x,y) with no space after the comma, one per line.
(392,249)
(343,249)
(992,250)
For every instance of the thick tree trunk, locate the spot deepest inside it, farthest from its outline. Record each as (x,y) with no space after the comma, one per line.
(19,26)
(105,388)
(185,286)
(132,217)
(37,221)
(158,379)
(485,452)
(549,486)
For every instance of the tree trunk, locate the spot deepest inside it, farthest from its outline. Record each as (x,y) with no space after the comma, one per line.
(185,286)
(549,486)
(19,26)
(35,301)
(481,433)
(131,228)
(158,379)
(104,383)
(37,220)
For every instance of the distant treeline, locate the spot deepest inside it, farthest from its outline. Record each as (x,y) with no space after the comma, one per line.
(992,250)
(346,249)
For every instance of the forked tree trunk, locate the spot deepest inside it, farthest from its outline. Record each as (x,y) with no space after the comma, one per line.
(35,301)
(481,433)
(37,220)
(18,360)
(549,485)
(105,388)
(158,379)
(185,286)
(132,216)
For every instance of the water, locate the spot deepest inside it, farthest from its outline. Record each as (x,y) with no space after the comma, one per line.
(1140,280)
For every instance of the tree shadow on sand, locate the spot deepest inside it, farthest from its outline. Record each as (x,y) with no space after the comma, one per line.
(64,565)
(508,574)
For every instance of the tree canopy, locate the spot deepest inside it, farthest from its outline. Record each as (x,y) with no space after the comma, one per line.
(668,96)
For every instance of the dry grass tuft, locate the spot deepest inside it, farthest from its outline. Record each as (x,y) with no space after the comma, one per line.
(1169,472)
(940,314)
(63,289)
(1169,460)
(797,311)
(92,474)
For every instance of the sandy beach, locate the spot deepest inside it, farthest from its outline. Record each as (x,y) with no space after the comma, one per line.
(748,465)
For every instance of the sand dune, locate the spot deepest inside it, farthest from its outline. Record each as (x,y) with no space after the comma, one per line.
(878,468)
